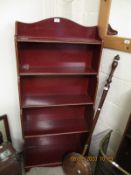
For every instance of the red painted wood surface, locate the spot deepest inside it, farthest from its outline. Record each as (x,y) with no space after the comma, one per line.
(51,91)
(65,85)
(51,149)
(56,120)
(56,100)
(49,30)
(58,58)
(58,62)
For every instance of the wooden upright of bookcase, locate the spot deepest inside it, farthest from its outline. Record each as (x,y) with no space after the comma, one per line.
(58,62)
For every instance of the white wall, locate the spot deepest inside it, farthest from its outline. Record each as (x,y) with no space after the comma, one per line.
(121,21)
(84,12)
(10,11)
(117,106)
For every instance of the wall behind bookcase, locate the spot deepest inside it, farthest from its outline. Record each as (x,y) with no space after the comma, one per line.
(117,106)
(10,11)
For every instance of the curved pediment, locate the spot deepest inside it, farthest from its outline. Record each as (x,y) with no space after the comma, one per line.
(56,29)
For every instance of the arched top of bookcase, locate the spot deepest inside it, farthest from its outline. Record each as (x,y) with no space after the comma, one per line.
(57,30)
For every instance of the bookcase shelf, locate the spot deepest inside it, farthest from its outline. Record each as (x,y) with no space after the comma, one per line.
(49,150)
(58,63)
(35,71)
(58,40)
(55,120)
(56,100)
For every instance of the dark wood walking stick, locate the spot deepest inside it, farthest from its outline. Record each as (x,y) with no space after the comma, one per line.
(75,163)
(103,97)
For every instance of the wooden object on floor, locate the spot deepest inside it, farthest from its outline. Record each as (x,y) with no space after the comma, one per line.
(5,130)
(9,164)
(123,156)
(105,163)
(58,62)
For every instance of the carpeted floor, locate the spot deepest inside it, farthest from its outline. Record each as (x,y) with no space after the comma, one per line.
(46,171)
(50,170)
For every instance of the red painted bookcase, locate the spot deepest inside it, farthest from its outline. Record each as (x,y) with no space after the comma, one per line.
(58,62)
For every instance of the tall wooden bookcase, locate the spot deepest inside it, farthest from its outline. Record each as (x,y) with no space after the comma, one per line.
(58,62)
